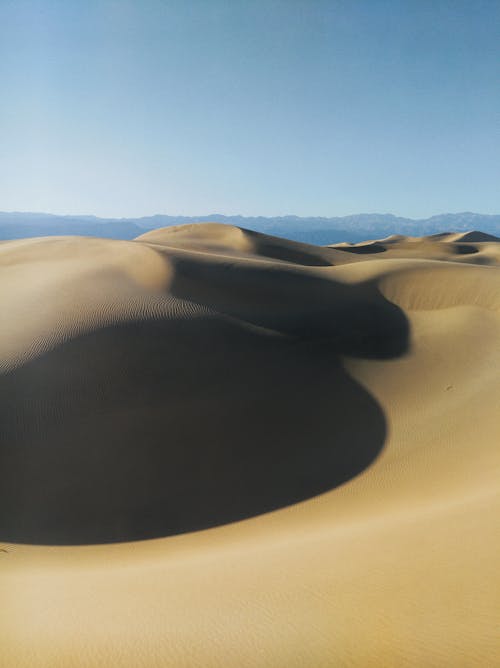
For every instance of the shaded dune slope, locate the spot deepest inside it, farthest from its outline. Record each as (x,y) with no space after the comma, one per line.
(195,393)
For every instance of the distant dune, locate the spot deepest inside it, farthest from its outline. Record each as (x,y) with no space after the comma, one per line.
(224,448)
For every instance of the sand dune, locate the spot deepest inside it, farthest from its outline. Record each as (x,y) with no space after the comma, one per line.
(472,235)
(457,247)
(221,448)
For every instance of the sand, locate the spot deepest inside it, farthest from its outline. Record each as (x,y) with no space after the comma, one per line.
(221,448)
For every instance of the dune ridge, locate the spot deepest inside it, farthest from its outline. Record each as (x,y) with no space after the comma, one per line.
(223,448)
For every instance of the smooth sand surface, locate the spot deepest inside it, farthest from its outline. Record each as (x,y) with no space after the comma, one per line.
(220,448)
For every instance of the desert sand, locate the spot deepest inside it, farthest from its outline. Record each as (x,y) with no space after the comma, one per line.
(220,448)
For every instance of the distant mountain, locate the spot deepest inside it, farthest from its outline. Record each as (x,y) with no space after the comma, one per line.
(21,225)
(314,230)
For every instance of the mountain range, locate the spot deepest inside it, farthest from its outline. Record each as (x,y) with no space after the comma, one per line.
(315,230)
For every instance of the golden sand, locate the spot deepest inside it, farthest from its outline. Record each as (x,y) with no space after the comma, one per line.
(221,448)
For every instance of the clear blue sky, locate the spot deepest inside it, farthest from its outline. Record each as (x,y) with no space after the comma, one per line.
(258,107)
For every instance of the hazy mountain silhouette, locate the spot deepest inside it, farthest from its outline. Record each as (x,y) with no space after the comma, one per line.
(316,230)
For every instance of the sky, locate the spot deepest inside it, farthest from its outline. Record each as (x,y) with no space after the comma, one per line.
(252,107)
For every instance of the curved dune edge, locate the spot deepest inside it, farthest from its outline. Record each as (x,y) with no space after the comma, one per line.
(398,566)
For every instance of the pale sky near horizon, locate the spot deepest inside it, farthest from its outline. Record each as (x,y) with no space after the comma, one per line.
(252,107)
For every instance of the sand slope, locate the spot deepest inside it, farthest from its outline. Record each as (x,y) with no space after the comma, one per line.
(221,448)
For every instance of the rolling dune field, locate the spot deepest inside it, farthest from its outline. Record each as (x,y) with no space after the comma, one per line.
(221,448)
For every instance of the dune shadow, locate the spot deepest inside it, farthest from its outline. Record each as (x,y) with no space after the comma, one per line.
(465,249)
(366,249)
(160,427)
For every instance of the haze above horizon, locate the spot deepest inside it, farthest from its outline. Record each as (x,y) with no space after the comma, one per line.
(127,109)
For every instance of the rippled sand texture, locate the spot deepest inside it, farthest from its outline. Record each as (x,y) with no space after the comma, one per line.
(220,448)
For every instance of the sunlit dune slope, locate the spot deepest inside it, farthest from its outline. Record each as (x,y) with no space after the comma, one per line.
(221,448)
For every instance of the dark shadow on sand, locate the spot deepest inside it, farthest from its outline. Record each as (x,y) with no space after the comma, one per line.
(366,249)
(162,427)
(464,249)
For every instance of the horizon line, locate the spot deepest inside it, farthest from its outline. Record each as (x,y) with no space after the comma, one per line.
(226,215)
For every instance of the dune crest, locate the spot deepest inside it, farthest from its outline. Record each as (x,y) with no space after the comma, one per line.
(181,386)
